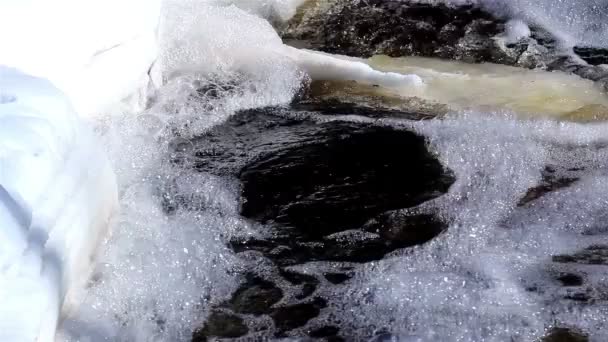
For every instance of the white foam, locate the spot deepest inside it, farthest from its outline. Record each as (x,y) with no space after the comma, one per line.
(474,282)
(516,30)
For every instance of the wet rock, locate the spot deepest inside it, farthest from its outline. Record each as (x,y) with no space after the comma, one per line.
(319,187)
(334,106)
(294,316)
(326,331)
(564,335)
(337,278)
(397,28)
(223,325)
(308,283)
(347,174)
(593,56)
(570,279)
(592,255)
(394,28)
(256,296)
(407,28)
(406,228)
(550,182)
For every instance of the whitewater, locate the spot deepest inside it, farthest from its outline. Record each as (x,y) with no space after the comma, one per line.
(90,103)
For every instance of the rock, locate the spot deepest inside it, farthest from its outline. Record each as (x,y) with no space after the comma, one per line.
(346,174)
(308,283)
(317,186)
(592,255)
(325,331)
(337,278)
(564,335)
(397,28)
(223,325)
(593,56)
(551,181)
(570,279)
(256,296)
(294,316)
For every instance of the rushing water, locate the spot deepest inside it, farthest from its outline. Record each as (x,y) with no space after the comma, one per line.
(158,275)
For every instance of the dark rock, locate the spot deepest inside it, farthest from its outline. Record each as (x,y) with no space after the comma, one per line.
(294,316)
(397,28)
(578,296)
(326,331)
(338,107)
(255,296)
(221,324)
(347,174)
(593,255)
(403,28)
(570,279)
(307,290)
(593,56)
(308,283)
(564,335)
(337,278)
(316,186)
(550,182)
(298,278)
(406,228)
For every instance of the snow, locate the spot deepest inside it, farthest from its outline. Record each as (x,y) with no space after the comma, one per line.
(86,48)
(69,60)
(57,196)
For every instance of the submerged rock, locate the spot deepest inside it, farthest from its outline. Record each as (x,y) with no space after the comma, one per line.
(564,335)
(592,255)
(256,296)
(551,181)
(294,316)
(222,325)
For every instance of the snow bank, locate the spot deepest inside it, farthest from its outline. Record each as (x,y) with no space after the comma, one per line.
(94,51)
(59,60)
(57,196)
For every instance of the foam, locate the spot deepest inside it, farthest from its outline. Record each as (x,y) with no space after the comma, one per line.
(516,30)
(472,282)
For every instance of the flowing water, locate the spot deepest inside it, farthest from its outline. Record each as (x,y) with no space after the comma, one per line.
(158,275)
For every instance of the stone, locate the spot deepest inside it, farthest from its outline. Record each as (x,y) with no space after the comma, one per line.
(564,335)
(221,324)
(397,28)
(591,55)
(337,278)
(551,181)
(570,279)
(294,316)
(592,255)
(256,296)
